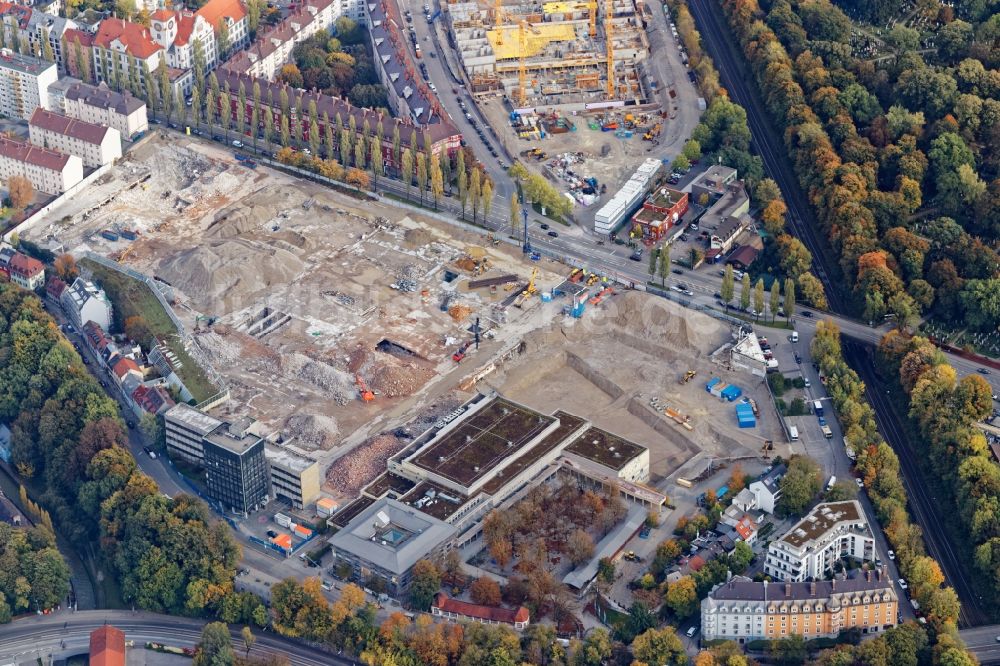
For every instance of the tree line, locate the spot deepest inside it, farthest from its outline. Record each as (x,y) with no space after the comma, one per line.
(879,468)
(943,410)
(907,196)
(68,439)
(723,135)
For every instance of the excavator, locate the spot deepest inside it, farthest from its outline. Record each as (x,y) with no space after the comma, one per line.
(366,394)
(688,376)
(529,291)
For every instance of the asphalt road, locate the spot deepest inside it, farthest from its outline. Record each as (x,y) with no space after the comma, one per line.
(65,634)
(984,642)
(930,513)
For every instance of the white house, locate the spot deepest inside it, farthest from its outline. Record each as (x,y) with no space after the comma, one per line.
(96,145)
(84,301)
(767,489)
(47,170)
(809,549)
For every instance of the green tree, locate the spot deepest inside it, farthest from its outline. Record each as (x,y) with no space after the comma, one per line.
(422,176)
(246,634)
(665,263)
(407,172)
(463,189)
(789,651)
(328,142)
(475,191)
(659,646)
(775,303)
(165,90)
(758,297)
(728,288)
(745,292)
(377,163)
(215,647)
(487,198)
(425,583)
(789,304)
(515,212)
(800,484)
(222,40)
(226,114)
(654,262)
(740,558)
(268,128)
(198,74)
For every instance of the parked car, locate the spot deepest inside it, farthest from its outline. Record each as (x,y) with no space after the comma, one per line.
(545,226)
(677,271)
(903,585)
(554,234)
(237,143)
(861,484)
(891,554)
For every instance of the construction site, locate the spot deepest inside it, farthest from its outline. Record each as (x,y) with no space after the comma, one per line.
(348,327)
(553,54)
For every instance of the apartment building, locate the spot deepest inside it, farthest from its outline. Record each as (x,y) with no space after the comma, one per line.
(829,532)
(83,302)
(742,610)
(78,47)
(21,22)
(47,170)
(96,145)
(178,32)
(233,14)
(114,42)
(409,95)
(99,105)
(273,47)
(293,477)
(24,84)
(236,468)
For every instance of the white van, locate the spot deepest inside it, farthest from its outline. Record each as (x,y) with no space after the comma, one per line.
(794,337)
(692,631)
(793,433)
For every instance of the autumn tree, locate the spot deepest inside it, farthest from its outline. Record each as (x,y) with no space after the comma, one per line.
(800,484)
(660,646)
(727,290)
(65,266)
(682,597)
(745,292)
(215,647)
(485,591)
(21,192)
(580,547)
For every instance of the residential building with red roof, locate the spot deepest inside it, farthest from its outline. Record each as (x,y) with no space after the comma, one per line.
(107,646)
(23,22)
(24,83)
(178,32)
(124,367)
(115,41)
(96,145)
(26,272)
(232,14)
(47,170)
(54,287)
(463,611)
(152,399)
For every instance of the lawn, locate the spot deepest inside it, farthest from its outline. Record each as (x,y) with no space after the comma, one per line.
(132,298)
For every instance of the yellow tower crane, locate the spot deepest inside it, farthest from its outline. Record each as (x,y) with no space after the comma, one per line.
(499,17)
(592,6)
(609,12)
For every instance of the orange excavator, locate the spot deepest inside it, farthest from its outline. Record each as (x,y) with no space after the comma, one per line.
(363,390)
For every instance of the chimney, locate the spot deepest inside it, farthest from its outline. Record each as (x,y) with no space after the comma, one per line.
(765,590)
(788,589)
(868,575)
(833,584)
(812,589)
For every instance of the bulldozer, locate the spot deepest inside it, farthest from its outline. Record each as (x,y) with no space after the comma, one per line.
(653,132)
(688,376)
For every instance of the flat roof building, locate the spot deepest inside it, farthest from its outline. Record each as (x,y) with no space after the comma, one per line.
(24,84)
(387,539)
(235,469)
(293,477)
(829,532)
(185,427)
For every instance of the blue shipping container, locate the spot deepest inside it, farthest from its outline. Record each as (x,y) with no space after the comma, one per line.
(732,392)
(712,382)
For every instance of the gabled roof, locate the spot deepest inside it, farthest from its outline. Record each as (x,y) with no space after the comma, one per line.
(107,646)
(71,127)
(216,10)
(488,613)
(152,399)
(22,264)
(103,97)
(73,35)
(25,152)
(772,478)
(19,13)
(124,366)
(134,37)
(745,527)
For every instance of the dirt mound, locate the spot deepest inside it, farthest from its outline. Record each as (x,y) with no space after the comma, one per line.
(356,469)
(251,213)
(393,381)
(418,237)
(228,273)
(339,384)
(312,430)
(667,323)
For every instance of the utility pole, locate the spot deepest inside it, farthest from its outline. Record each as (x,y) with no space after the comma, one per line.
(526,248)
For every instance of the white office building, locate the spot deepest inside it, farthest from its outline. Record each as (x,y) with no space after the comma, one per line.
(84,301)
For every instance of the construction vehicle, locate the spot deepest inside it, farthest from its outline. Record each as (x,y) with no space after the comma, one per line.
(576,275)
(688,376)
(460,353)
(366,394)
(592,280)
(537,153)
(529,290)
(653,132)
(601,295)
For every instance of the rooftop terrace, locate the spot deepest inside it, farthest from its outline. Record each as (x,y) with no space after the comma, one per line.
(822,519)
(479,443)
(604,448)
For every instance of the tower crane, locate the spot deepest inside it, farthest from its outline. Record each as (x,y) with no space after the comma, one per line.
(609,12)
(499,16)
(592,6)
